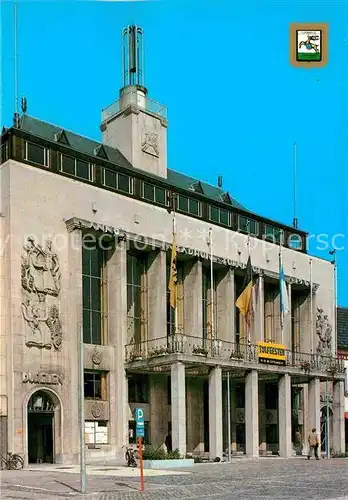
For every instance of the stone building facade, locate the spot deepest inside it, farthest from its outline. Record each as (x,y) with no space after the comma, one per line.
(342,352)
(86,235)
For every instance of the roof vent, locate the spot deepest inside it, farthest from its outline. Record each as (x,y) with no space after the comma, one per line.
(220,181)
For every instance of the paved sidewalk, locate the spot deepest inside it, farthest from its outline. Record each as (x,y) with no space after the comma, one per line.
(263,479)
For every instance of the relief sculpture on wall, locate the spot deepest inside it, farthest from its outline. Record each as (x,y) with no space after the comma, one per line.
(40,274)
(324,332)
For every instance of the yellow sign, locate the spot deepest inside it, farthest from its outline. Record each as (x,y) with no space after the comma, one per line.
(271,353)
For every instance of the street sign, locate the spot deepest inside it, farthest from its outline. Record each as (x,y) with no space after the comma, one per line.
(139,423)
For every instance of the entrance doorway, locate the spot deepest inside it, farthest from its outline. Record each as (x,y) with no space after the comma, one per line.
(40,428)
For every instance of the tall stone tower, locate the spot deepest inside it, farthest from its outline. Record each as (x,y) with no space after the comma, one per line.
(135,124)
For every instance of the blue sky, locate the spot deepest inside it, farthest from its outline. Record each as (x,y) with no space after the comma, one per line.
(235,105)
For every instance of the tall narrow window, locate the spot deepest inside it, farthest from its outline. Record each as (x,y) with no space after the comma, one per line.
(207,299)
(94,293)
(298,316)
(272,312)
(180,301)
(137,312)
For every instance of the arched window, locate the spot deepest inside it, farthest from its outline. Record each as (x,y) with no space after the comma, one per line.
(41,401)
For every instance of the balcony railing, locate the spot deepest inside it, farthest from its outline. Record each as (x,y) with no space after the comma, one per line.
(133,98)
(241,353)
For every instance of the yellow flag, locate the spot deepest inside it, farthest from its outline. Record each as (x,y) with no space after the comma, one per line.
(173,279)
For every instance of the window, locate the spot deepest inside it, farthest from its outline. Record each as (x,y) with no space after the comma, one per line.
(132,433)
(154,193)
(219,215)
(136,298)
(138,388)
(120,182)
(94,293)
(75,167)
(274,234)
(96,432)
(207,300)
(180,301)
(295,242)
(272,312)
(4,152)
(247,225)
(188,205)
(95,385)
(36,154)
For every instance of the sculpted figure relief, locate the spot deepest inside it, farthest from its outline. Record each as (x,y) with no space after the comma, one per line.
(40,275)
(324,332)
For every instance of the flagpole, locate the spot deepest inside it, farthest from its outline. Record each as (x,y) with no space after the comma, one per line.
(248,245)
(175,309)
(311,302)
(212,288)
(281,308)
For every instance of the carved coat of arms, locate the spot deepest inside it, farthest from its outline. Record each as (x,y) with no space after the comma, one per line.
(150,143)
(40,274)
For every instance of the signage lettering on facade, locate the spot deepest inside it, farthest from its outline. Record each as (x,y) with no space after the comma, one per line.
(271,353)
(42,378)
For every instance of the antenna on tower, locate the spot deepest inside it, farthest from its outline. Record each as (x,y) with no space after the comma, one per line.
(133,56)
(295,220)
(16,114)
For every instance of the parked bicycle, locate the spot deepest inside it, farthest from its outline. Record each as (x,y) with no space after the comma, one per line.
(131,456)
(11,461)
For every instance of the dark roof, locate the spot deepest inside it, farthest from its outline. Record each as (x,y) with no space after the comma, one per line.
(342,327)
(88,146)
(77,142)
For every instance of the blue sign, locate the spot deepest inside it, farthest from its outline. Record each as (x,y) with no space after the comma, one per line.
(139,423)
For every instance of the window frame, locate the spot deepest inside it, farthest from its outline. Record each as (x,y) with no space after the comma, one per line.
(47,155)
(91,168)
(103,293)
(274,239)
(131,181)
(138,292)
(103,385)
(248,219)
(166,196)
(96,423)
(178,195)
(229,224)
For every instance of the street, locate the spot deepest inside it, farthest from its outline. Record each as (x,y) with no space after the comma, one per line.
(243,479)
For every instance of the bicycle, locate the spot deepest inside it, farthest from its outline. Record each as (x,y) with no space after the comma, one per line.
(131,457)
(11,461)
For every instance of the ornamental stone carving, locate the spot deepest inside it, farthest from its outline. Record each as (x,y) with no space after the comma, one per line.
(324,332)
(149,143)
(96,410)
(40,277)
(96,358)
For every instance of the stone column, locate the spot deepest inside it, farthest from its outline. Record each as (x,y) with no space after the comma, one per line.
(195,415)
(284,416)
(338,417)
(193,321)
(158,409)
(313,405)
(157,293)
(252,414)
(178,407)
(215,413)
(306,423)
(262,419)
(226,307)
(259,334)
(117,336)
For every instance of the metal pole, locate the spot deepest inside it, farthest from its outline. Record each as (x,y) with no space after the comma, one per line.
(15,56)
(311,302)
(228,417)
(327,421)
(82,416)
(212,289)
